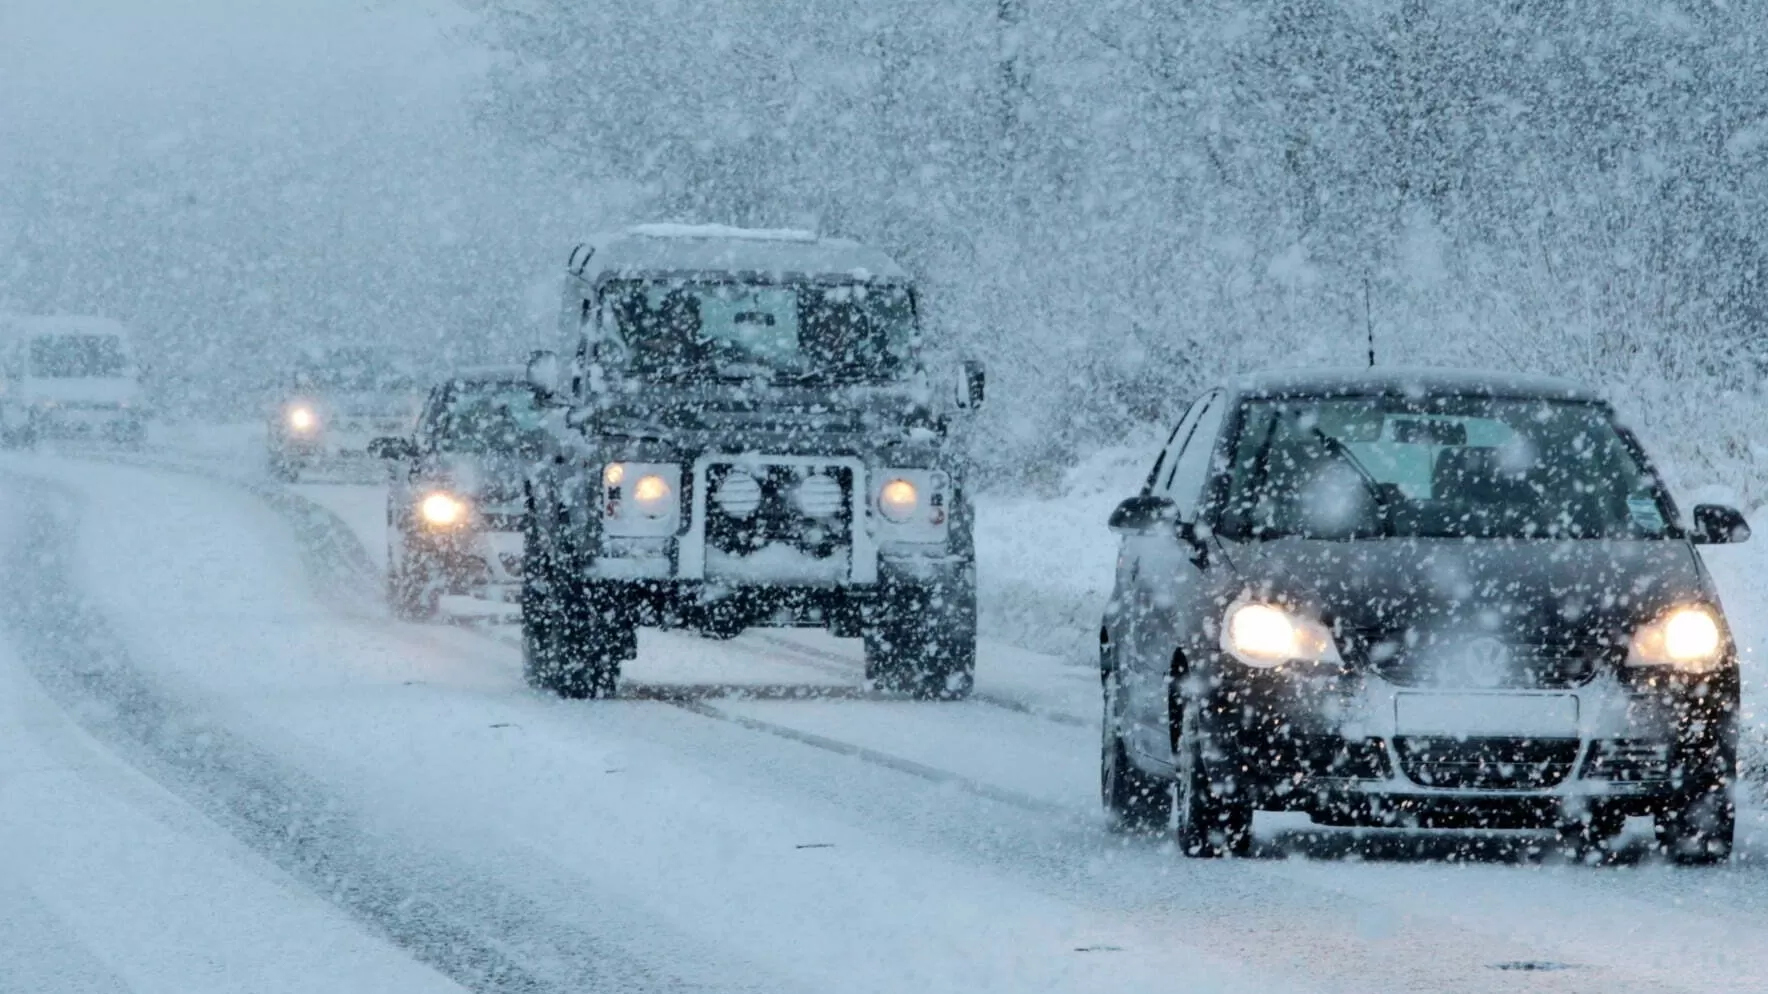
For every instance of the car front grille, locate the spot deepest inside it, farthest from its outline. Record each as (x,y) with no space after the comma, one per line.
(1451,665)
(1486,763)
(750,507)
(1628,761)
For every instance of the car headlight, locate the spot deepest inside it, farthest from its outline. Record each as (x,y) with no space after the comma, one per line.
(1265,635)
(898,500)
(651,495)
(1687,638)
(302,419)
(440,510)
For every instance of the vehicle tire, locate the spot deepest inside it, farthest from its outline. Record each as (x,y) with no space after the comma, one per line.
(1698,826)
(573,640)
(284,469)
(1135,803)
(414,592)
(1212,820)
(921,640)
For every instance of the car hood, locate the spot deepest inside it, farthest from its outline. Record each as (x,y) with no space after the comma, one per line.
(766,410)
(493,478)
(1535,591)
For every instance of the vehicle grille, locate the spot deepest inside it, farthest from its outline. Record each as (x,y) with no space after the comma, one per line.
(751,507)
(1528,667)
(1628,761)
(1486,763)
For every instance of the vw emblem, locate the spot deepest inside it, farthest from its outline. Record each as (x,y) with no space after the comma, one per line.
(1485,662)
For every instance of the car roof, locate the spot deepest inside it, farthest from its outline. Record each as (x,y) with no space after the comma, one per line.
(656,249)
(487,374)
(1409,382)
(62,324)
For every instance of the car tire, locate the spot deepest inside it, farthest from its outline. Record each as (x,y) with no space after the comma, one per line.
(573,641)
(283,469)
(921,640)
(1699,825)
(413,592)
(1213,821)
(1135,803)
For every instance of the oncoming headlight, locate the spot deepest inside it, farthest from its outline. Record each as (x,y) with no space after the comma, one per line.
(1265,635)
(898,500)
(302,419)
(652,495)
(1687,638)
(440,510)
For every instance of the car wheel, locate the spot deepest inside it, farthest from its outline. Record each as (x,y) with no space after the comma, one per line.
(1213,821)
(1135,803)
(1698,826)
(922,641)
(284,469)
(414,591)
(573,641)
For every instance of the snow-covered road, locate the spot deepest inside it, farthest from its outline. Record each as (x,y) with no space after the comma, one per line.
(222,767)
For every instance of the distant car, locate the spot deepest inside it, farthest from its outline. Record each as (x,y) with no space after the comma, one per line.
(68,377)
(455,503)
(333,404)
(1419,599)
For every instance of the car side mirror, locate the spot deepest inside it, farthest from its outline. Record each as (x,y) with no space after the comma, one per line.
(392,448)
(1143,514)
(1716,524)
(972,386)
(544,372)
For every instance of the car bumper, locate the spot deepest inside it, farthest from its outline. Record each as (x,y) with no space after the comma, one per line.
(1360,748)
(476,563)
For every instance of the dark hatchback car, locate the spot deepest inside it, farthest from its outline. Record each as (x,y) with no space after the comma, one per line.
(456,498)
(1416,598)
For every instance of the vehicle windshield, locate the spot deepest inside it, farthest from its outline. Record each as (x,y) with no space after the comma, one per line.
(78,357)
(683,330)
(488,417)
(1466,467)
(349,371)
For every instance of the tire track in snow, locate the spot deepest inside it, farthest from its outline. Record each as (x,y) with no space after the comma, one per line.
(453,918)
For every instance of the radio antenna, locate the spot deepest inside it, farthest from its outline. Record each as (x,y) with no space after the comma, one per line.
(1368,321)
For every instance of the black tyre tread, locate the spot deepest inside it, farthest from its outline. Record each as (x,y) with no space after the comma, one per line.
(1212,822)
(923,643)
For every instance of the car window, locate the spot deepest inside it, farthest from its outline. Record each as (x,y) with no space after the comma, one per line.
(1191,469)
(1169,452)
(1463,467)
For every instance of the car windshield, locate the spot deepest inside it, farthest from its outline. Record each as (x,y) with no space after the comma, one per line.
(488,417)
(684,330)
(354,372)
(78,356)
(1468,467)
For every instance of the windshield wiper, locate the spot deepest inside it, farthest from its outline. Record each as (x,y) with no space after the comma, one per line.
(1370,483)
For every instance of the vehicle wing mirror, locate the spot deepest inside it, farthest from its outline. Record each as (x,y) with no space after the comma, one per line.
(1717,524)
(1143,514)
(972,386)
(544,372)
(392,447)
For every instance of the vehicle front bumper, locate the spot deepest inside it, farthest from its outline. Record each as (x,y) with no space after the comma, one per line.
(1353,748)
(475,562)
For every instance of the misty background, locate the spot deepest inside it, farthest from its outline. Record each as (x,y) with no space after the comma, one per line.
(1110,201)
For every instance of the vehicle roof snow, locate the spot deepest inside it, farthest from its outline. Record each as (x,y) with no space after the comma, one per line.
(673,249)
(61,324)
(1402,381)
(487,374)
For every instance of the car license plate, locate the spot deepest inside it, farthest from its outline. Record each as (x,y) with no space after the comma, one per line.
(1516,715)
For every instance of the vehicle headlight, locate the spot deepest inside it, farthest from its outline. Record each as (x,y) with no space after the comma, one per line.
(1265,635)
(302,419)
(613,474)
(898,500)
(651,495)
(1687,638)
(440,510)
